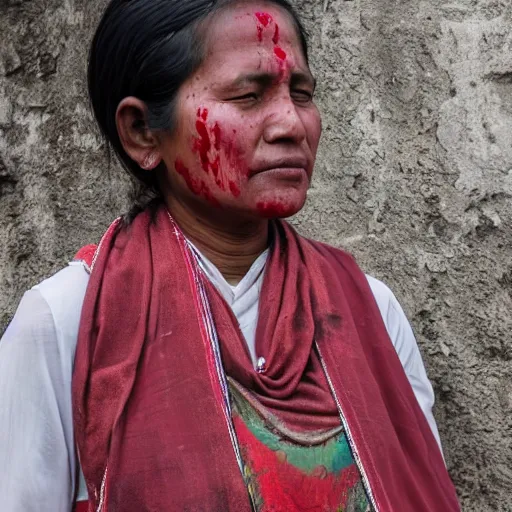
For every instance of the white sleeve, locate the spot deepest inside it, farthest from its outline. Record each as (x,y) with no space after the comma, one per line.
(405,344)
(36,468)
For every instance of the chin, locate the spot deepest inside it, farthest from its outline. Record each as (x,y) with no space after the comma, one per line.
(279,209)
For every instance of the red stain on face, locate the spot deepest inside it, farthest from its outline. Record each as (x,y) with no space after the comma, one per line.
(233,187)
(192,184)
(202,144)
(216,136)
(215,169)
(225,144)
(280,53)
(275,39)
(272,209)
(264,20)
(210,145)
(202,114)
(260,33)
(282,62)
(198,187)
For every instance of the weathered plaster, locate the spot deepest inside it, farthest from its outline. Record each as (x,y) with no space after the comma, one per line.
(414,177)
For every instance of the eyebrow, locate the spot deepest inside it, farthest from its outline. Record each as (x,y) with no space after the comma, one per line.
(265,79)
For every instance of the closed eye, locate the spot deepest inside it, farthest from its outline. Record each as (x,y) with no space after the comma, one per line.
(248,96)
(302,96)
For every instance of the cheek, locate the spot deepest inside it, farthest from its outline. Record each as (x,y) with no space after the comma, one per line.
(313,124)
(197,186)
(222,163)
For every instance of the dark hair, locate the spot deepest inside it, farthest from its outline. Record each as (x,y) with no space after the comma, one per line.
(148,49)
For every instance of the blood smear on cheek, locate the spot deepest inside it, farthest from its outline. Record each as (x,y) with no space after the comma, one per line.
(202,113)
(198,187)
(210,145)
(216,136)
(234,188)
(192,184)
(203,144)
(215,167)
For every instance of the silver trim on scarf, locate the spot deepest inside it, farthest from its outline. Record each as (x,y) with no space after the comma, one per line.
(351,442)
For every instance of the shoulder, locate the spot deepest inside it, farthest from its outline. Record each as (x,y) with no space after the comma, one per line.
(37,354)
(65,291)
(64,294)
(397,325)
(383,296)
(402,336)
(395,320)
(392,314)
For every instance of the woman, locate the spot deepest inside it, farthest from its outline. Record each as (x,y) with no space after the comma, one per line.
(223,362)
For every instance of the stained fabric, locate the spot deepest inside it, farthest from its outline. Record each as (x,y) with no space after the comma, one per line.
(290,471)
(150,421)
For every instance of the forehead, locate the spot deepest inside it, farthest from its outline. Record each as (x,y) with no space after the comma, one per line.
(239,34)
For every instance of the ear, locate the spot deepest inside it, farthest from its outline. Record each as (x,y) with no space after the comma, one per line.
(137,139)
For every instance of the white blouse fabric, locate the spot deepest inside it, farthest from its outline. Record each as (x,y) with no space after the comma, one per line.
(37,451)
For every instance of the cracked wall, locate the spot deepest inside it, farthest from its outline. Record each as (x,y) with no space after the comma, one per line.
(414,177)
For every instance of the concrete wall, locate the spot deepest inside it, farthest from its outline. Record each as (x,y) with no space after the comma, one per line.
(414,177)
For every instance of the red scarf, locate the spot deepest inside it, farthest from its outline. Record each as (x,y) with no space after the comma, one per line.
(151,421)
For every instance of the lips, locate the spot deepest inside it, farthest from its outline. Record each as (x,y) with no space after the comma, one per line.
(282,163)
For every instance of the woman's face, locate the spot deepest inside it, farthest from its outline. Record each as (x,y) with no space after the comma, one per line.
(247,127)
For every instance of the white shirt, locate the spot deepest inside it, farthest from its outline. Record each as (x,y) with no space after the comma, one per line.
(37,451)
(243,298)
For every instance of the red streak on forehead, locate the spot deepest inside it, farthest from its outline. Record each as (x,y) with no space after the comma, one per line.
(275,39)
(280,53)
(264,18)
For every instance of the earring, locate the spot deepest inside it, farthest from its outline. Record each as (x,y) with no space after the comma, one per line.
(150,161)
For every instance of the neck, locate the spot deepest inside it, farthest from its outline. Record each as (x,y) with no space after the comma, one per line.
(232,248)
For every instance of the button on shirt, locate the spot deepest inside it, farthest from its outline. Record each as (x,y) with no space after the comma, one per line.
(243,298)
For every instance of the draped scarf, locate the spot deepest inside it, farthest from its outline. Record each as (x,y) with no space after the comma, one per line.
(156,340)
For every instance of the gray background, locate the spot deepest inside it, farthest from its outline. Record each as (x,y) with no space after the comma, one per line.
(414,177)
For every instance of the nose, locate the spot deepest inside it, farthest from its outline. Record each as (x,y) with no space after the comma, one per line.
(284,124)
